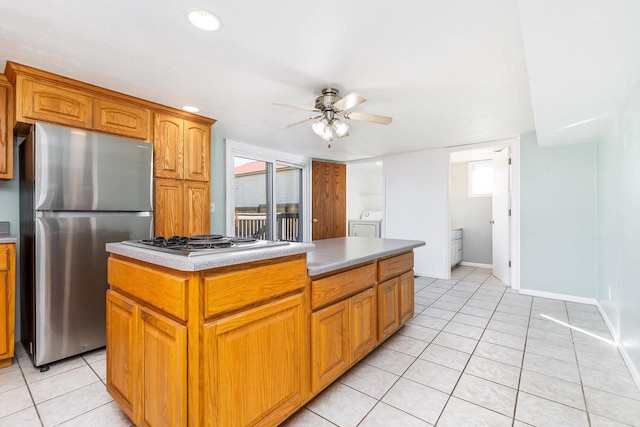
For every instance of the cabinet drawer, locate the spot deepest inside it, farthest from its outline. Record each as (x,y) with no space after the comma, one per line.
(167,292)
(4,258)
(341,285)
(41,101)
(394,266)
(233,287)
(121,119)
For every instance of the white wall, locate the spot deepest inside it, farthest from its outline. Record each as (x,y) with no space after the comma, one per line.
(417,206)
(365,186)
(618,157)
(558,218)
(472,214)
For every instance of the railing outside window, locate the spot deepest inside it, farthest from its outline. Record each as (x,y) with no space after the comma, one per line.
(255,225)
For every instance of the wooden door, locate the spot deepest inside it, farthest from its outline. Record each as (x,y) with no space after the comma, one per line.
(362,309)
(6,140)
(330,352)
(406,297)
(162,345)
(169,206)
(122,352)
(168,147)
(329,200)
(4,316)
(196,217)
(197,143)
(388,308)
(261,370)
(7,298)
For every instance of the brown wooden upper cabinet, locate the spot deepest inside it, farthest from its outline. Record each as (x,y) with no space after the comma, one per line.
(181,149)
(6,131)
(329,200)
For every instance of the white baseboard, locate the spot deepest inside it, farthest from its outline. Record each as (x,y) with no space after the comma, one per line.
(430,275)
(476,264)
(633,369)
(551,295)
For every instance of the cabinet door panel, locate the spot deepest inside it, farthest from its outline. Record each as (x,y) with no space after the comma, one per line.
(7,304)
(168,147)
(197,142)
(122,355)
(169,204)
(120,119)
(196,208)
(362,308)
(330,351)
(261,373)
(406,297)
(388,308)
(4,315)
(6,140)
(163,370)
(41,101)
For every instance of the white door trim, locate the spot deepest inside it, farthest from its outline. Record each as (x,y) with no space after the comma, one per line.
(514,143)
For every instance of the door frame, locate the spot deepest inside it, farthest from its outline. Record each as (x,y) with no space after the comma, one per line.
(234,148)
(514,144)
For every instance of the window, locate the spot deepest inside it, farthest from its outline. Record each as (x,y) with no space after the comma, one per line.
(480,178)
(266,197)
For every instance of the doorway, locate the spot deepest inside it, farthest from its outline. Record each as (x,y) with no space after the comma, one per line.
(484,208)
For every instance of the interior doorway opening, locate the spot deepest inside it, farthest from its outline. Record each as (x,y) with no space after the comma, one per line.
(484,208)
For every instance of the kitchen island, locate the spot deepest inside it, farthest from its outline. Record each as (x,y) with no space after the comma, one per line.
(249,337)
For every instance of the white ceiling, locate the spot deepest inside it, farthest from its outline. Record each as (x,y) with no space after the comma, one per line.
(449,72)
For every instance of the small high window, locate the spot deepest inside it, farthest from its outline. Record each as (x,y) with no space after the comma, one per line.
(480,178)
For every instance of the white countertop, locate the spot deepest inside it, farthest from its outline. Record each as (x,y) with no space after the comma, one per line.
(205,262)
(335,254)
(8,238)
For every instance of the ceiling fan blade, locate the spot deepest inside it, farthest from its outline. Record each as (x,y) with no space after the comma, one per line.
(349,101)
(353,115)
(299,107)
(301,122)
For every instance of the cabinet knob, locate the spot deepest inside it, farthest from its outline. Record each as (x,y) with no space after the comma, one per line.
(314,220)
(491,222)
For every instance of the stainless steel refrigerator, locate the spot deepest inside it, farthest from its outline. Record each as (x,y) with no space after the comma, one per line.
(78,191)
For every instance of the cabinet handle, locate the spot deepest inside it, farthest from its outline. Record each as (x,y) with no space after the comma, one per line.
(314,220)
(491,222)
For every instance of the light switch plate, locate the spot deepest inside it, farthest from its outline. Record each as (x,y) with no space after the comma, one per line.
(213,207)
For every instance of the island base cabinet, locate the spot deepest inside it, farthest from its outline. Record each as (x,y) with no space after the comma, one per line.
(330,355)
(258,373)
(341,334)
(147,363)
(406,297)
(395,304)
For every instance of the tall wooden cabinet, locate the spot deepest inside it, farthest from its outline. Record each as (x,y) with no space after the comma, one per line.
(181,140)
(6,129)
(329,200)
(7,302)
(181,151)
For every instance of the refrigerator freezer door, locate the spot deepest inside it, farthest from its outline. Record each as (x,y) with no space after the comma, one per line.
(77,170)
(71,279)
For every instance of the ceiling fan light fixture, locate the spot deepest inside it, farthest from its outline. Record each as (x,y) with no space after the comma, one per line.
(327,135)
(340,128)
(319,127)
(205,19)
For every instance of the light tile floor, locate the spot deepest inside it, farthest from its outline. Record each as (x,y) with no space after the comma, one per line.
(475,354)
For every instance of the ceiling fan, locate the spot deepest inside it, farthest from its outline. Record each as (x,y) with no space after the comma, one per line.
(331,108)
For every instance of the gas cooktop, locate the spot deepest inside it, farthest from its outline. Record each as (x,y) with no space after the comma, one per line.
(206,244)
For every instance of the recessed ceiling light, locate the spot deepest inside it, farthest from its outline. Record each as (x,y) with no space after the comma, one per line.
(204,19)
(190,109)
